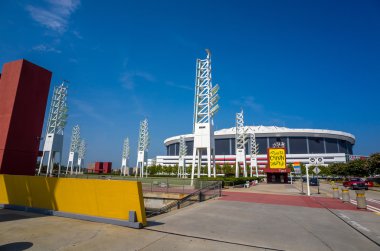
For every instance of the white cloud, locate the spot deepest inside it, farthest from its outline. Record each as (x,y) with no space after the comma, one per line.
(248,102)
(77,34)
(184,87)
(91,111)
(128,79)
(55,15)
(45,48)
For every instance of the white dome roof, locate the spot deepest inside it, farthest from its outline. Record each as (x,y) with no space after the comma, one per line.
(274,131)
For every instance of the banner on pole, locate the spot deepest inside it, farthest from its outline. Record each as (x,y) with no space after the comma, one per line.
(297,168)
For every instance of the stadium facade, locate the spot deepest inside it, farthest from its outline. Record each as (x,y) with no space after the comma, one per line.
(301,145)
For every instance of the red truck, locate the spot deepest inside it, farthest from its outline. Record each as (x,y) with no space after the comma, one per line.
(356,183)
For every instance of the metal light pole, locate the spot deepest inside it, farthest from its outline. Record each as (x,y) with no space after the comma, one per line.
(307,180)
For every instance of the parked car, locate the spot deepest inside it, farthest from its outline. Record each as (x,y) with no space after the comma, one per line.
(369,182)
(313,181)
(356,183)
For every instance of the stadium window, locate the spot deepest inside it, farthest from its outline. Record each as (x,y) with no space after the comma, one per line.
(331,145)
(342,146)
(190,145)
(316,145)
(222,146)
(349,146)
(272,140)
(262,142)
(233,146)
(176,149)
(298,145)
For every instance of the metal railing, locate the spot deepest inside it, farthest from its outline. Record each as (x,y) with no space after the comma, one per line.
(153,184)
(211,190)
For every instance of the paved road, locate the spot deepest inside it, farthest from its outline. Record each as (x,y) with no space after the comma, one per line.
(372,197)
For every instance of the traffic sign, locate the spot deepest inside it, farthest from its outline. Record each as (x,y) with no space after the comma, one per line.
(320,160)
(316,161)
(316,170)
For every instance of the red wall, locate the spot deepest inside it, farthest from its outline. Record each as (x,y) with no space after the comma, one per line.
(107,167)
(98,167)
(24,88)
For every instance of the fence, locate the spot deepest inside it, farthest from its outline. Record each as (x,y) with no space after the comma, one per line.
(155,184)
(211,190)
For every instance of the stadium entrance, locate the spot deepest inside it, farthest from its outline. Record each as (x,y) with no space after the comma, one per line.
(276,169)
(277,175)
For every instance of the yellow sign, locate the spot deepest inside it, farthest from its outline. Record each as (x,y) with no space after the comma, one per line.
(277,158)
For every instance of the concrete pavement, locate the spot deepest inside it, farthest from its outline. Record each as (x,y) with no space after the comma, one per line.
(217,224)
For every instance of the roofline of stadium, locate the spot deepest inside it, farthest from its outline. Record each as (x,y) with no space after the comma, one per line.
(274,131)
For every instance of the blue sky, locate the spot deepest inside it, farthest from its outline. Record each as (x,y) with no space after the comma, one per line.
(299,64)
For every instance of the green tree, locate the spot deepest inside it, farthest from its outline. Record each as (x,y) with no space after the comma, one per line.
(357,167)
(325,171)
(203,169)
(227,170)
(189,169)
(373,163)
(290,166)
(311,170)
(303,169)
(174,170)
(167,169)
(218,168)
(338,169)
(153,170)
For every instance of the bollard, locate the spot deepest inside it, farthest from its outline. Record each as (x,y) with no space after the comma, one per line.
(335,192)
(360,199)
(345,195)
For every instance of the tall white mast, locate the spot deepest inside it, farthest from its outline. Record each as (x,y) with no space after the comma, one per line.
(55,127)
(254,151)
(182,155)
(240,140)
(125,157)
(205,107)
(74,147)
(142,151)
(81,155)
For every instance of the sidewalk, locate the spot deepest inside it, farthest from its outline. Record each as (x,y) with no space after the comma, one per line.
(285,189)
(238,221)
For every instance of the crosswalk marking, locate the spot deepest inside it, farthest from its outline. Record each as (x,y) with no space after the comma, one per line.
(374,201)
(369,207)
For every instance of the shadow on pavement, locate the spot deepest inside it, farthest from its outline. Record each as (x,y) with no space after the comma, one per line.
(154,223)
(16,246)
(7,215)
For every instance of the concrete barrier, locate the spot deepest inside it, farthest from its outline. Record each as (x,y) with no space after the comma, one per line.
(345,195)
(106,199)
(360,199)
(335,192)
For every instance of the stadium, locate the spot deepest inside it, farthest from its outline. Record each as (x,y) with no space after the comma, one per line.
(301,145)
